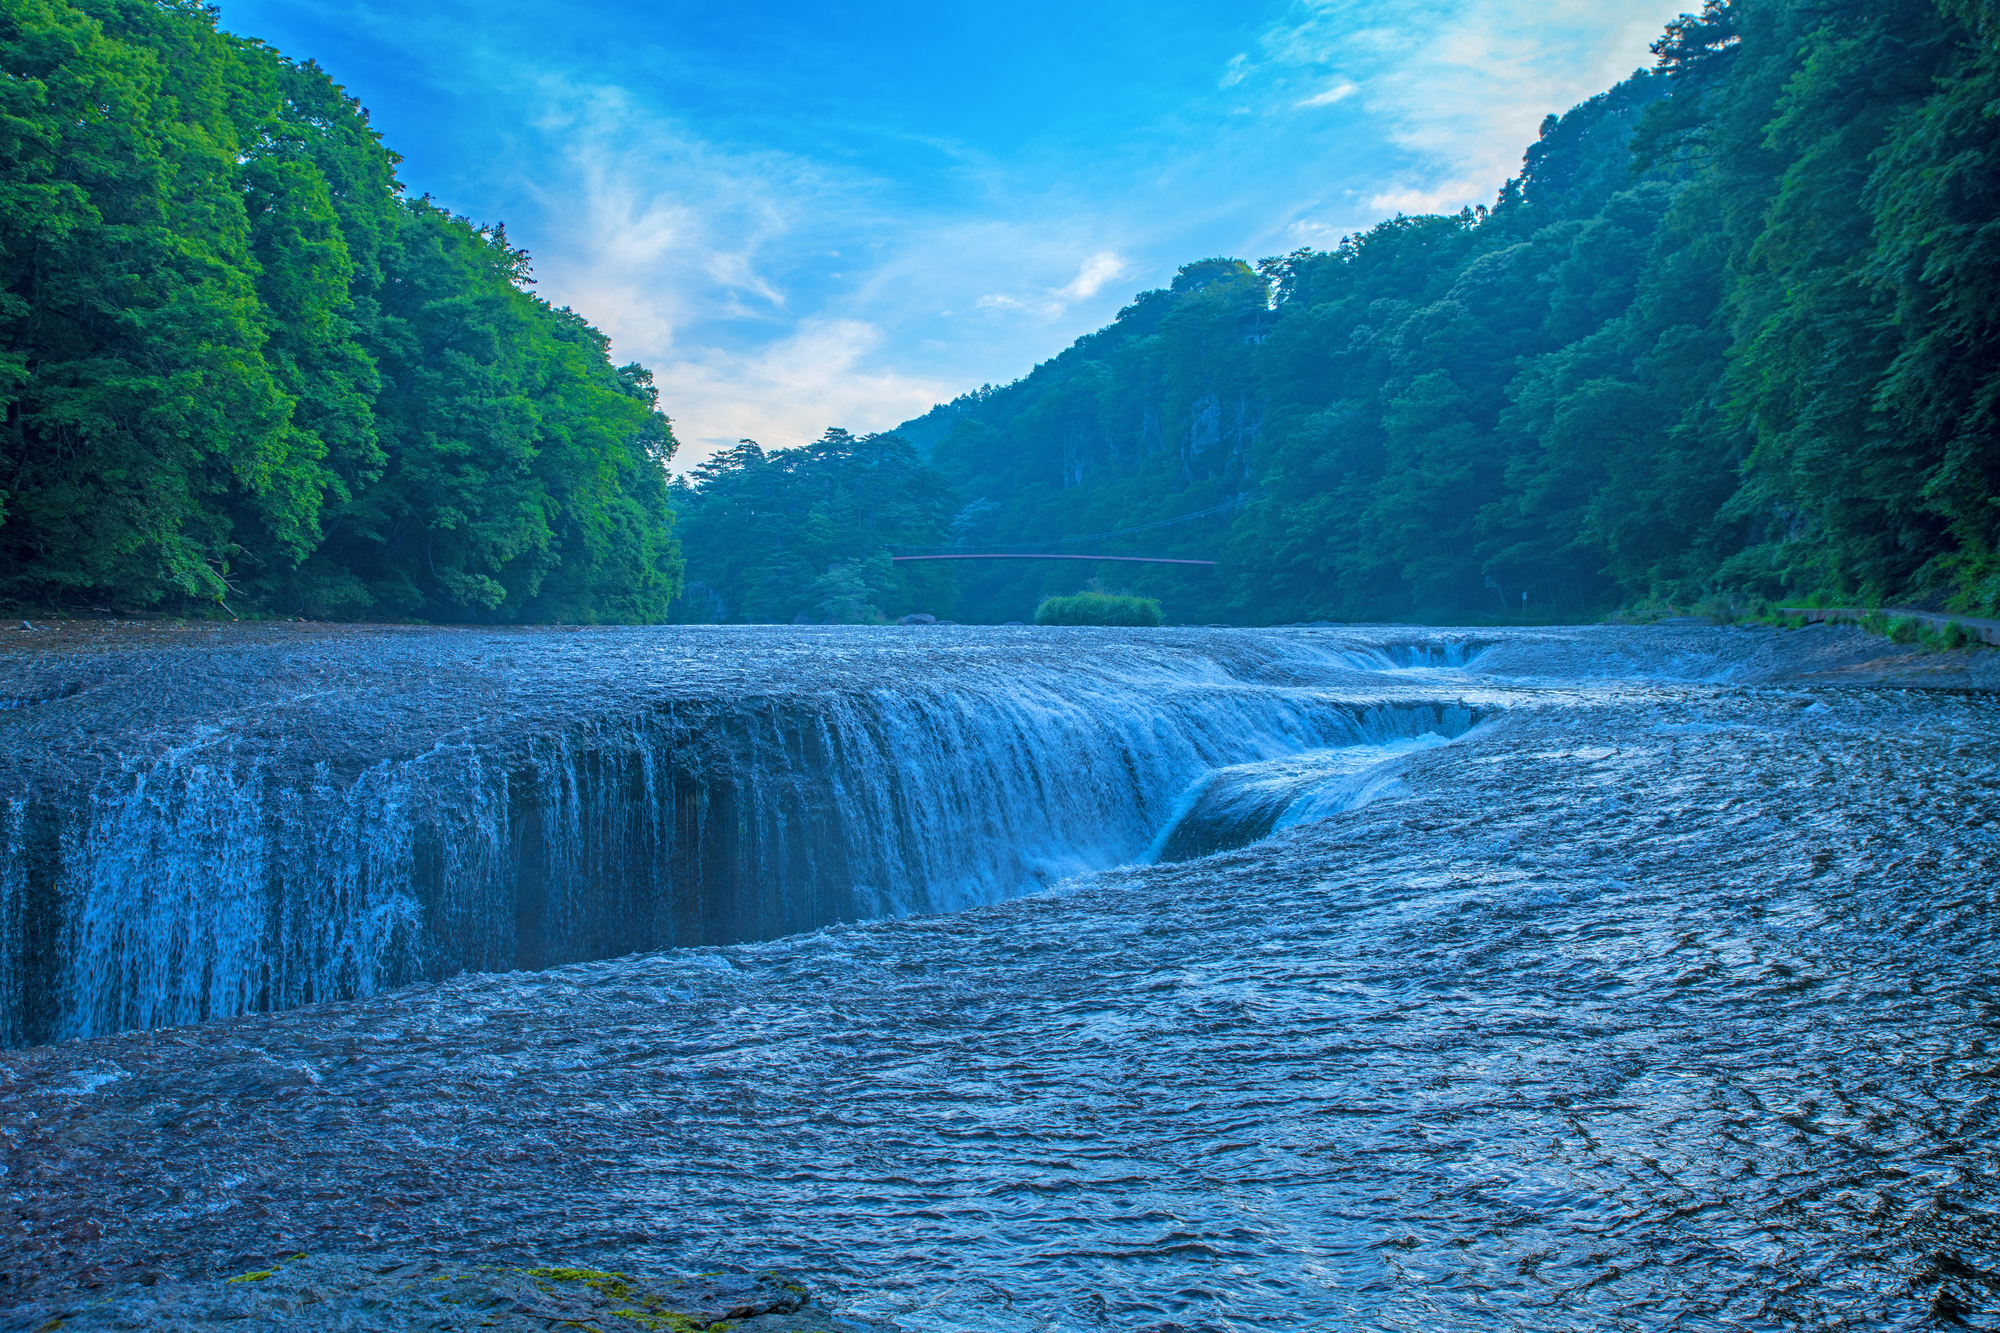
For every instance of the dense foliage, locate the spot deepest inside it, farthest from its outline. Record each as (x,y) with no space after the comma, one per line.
(1091,607)
(1730,337)
(240,369)
(805,534)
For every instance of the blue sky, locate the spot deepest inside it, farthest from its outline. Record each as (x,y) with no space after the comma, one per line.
(808,215)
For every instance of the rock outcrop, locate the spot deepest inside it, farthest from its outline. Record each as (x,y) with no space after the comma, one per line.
(374,1294)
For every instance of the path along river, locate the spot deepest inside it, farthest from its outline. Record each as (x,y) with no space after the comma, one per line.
(1629,979)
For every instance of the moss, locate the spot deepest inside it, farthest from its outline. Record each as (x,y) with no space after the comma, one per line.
(617,1286)
(258,1276)
(645,1310)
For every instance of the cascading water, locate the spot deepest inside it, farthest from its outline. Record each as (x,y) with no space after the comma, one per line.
(219,862)
(1238,805)
(1661,997)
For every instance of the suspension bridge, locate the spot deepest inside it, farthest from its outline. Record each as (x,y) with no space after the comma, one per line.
(1045,551)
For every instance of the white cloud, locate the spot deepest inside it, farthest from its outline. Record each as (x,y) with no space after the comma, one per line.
(1462,84)
(825,373)
(653,227)
(1445,197)
(1339,92)
(710,261)
(687,256)
(710,266)
(1094,274)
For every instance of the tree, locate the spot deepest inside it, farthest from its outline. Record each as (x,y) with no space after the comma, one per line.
(240,370)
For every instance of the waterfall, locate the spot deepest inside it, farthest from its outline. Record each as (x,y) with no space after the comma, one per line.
(1243,803)
(219,876)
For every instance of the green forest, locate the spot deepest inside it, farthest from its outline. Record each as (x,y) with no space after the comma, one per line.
(1728,339)
(805,534)
(244,374)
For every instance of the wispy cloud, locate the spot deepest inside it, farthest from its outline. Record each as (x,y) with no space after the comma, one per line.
(1337,93)
(1461,85)
(710,266)
(824,373)
(1095,274)
(773,295)
(654,227)
(789,260)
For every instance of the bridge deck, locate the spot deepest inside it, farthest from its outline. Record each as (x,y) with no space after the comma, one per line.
(1127,559)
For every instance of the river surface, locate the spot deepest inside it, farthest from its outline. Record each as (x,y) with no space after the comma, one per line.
(1657,987)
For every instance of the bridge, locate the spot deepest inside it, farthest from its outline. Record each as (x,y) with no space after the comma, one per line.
(977,553)
(1039,551)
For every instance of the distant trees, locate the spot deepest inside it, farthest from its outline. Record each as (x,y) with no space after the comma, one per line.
(804,534)
(1091,607)
(239,369)
(1733,334)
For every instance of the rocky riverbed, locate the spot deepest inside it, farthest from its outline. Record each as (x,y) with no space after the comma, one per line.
(302,1293)
(1659,994)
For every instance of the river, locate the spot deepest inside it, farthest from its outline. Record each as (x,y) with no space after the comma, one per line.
(1352,978)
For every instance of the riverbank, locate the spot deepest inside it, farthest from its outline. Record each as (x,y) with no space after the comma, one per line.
(1884,620)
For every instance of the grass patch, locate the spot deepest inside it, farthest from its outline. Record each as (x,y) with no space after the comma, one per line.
(1098,608)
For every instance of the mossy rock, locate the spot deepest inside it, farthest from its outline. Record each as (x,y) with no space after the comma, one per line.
(370,1294)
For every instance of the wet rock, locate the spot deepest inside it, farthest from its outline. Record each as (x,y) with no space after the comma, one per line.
(918,618)
(708,1299)
(362,1294)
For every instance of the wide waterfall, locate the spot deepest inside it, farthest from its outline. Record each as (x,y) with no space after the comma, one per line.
(1162,980)
(205,827)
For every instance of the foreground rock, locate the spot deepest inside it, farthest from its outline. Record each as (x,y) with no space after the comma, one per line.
(367,1294)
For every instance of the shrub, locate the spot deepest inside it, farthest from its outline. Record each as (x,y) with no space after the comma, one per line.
(1905,629)
(1098,608)
(1954,636)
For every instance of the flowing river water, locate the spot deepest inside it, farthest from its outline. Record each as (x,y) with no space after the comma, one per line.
(1347,978)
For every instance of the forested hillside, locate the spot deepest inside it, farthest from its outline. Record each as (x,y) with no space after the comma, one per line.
(804,534)
(1729,338)
(242,371)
